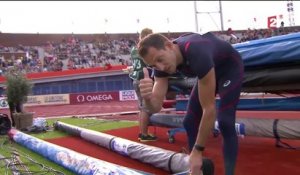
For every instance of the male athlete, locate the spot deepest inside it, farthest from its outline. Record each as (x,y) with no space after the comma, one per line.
(137,74)
(219,69)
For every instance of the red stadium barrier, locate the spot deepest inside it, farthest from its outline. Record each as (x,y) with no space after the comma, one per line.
(43,75)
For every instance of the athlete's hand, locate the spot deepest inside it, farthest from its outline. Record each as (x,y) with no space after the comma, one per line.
(146,85)
(195,163)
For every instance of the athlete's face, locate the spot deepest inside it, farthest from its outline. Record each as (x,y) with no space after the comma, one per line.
(162,59)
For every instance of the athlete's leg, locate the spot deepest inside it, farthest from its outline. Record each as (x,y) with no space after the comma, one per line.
(229,88)
(226,119)
(140,106)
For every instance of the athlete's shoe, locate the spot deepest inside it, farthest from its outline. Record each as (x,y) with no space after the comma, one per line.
(147,138)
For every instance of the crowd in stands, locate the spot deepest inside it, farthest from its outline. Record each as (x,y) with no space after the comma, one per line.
(242,36)
(76,54)
(24,58)
(69,54)
(73,53)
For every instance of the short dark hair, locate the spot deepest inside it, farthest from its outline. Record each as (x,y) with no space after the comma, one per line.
(155,40)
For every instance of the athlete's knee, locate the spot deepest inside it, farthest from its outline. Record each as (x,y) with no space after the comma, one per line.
(191,129)
(226,126)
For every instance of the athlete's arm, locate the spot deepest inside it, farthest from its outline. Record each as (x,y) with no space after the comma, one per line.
(207,99)
(206,89)
(153,94)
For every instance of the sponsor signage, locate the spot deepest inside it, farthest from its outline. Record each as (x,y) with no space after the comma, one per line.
(3,103)
(94,97)
(36,100)
(127,95)
(54,99)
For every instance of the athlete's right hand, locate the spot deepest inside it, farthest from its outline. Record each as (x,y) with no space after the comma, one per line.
(146,85)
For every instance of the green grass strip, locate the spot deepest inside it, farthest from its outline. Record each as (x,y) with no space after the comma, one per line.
(8,146)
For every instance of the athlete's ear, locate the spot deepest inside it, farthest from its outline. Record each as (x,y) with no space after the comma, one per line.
(169,44)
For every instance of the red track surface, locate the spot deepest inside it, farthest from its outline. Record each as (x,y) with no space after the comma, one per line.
(257,156)
(80,109)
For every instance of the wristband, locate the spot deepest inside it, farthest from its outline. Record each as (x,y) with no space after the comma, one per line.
(199,147)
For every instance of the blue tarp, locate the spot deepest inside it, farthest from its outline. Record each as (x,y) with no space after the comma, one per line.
(270,51)
(271,65)
(257,104)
